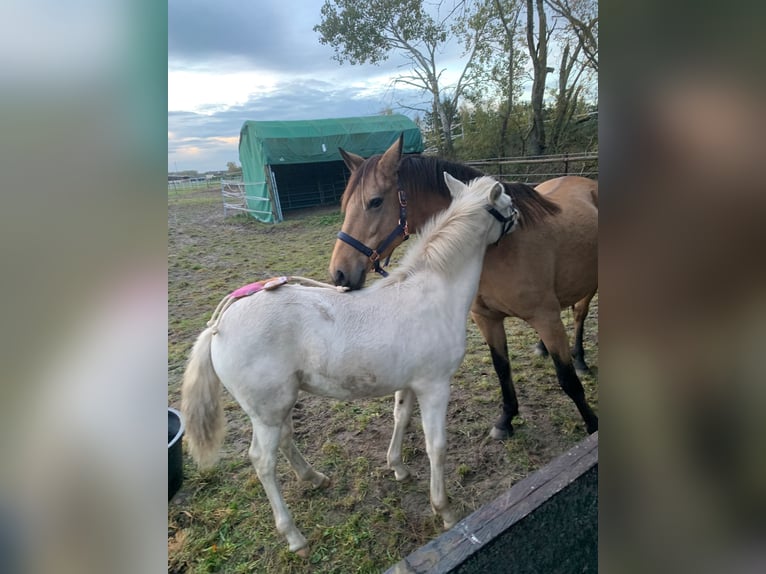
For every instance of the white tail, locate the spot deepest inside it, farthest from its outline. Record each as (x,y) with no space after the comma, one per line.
(201,404)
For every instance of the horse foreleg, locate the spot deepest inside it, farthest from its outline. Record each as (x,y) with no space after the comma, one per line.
(580,310)
(433,410)
(303,470)
(551,330)
(263,454)
(403,403)
(493,330)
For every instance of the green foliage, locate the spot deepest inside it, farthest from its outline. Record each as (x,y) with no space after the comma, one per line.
(365,32)
(499,69)
(483,126)
(431,125)
(482,114)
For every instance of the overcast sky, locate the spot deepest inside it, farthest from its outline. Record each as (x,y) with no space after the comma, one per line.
(233,60)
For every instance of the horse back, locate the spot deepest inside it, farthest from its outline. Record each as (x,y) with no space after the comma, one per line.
(327,343)
(569,188)
(557,259)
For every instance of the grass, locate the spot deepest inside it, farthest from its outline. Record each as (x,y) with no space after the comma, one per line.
(221,521)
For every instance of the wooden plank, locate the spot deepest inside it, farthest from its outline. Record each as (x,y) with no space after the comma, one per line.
(478,530)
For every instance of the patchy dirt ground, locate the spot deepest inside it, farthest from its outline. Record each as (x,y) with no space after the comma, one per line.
(365,520)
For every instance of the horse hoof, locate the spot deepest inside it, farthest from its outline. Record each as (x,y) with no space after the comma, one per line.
(581,369)
(303,552)
(448,517)
(323,482)
(402,475)
(500,434)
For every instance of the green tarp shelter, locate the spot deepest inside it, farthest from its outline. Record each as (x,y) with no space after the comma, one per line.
(295,164)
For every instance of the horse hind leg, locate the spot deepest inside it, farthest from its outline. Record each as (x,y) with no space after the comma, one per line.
(263,454)
(493,330)
(403,405)
(303,470)
(551,330)
(580,310)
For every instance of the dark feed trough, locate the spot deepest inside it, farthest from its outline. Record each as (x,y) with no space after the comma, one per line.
(547,522)
(175,452)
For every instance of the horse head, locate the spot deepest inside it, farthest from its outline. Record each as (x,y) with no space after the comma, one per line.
(499,205)
(375,220)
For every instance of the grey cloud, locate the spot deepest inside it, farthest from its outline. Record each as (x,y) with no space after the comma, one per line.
(274,36)
(292,100)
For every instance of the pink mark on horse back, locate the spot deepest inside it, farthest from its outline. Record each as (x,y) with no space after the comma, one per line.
(253,288)
(246,290)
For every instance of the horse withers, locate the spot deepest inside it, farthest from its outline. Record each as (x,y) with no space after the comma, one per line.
(550,263)
(266,347)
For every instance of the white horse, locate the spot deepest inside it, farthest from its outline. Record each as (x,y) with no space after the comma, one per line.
(267,347)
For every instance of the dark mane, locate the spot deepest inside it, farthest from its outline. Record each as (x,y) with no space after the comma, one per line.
(423,174)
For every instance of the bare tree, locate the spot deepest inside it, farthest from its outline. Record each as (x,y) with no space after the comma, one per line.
(508,14)
(567,95)
(538,54)
(367,31)
(582,18)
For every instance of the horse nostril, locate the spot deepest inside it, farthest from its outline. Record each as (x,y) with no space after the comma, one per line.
(340,279)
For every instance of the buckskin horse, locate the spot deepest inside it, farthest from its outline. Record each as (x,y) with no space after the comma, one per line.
(550,263)
(266,345)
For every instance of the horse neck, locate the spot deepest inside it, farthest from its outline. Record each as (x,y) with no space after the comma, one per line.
(424,186)
(462,282)
(426,192)
(422,206)
(451,282)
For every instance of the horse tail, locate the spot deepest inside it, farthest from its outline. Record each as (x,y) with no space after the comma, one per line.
(594,194)
(201,404)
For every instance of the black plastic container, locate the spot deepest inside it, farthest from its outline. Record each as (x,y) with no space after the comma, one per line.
(175,451)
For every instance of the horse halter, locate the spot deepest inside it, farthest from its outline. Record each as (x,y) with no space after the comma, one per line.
(508,222)
(400,229)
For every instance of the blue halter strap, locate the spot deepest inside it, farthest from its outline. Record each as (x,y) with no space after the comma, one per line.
(374,254)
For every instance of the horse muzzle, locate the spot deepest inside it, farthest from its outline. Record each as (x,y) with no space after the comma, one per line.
(347,278)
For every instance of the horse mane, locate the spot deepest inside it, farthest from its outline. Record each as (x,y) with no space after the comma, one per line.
(423,174)
(444,235)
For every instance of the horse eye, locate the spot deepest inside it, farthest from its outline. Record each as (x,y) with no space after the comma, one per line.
(375,202)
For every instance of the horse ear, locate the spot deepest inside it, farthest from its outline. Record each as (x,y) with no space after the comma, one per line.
(495,192)
(390,159)
(454,185)
(351,160)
